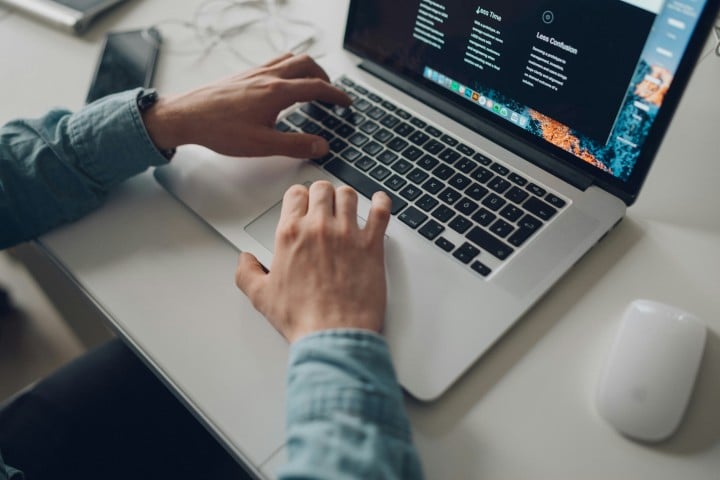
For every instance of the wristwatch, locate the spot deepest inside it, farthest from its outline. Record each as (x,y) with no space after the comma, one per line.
(145,100)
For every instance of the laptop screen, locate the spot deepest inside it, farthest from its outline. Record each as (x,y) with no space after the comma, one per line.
(584,80)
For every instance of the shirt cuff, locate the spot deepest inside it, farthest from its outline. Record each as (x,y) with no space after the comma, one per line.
(111,139)
(345,371)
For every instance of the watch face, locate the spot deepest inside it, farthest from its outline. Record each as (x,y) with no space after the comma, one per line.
(147,99)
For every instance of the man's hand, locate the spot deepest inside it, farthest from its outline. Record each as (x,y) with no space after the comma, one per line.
(236,116)
(327,272)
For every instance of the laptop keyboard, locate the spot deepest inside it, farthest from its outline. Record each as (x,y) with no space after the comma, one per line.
(474,208)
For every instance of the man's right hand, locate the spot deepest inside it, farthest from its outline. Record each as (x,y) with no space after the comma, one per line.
(237,116)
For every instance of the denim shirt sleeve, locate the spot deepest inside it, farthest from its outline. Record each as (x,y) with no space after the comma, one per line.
(57,168)
(345,413)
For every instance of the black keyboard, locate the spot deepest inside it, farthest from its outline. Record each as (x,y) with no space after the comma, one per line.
(470,206)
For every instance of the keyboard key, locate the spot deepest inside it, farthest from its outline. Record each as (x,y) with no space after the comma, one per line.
(366,186)
(460,181)
(443,172)
(482,175)
(493,202)
(432,131)
(380,173)
(476,192)
(481,268)
(531,223)
(397,144)
(520,236)
(434,147)
(337,145)
(482,159)
(445,244)
(490,244)
(499,169)
(465,150)
(372,148)
(395,182)
(418,123)
(511,213)
(555,201)
(297,119)
(347,81)
(389,106)
(449,156)
(402,114)
(360,89)
(358,139)
(539,191)
(412,217)
(383,136)
(387,157)
(501,228)
(499,185)
(402,166)
(282,127)
(516,195)
(427,203)
(375,98)
(449,196)
(443,213)
(540,209)
(410,192)
(466,253)
(460,224)
(466,165)
(417,176)
(412,153)
(517,179)
(351,155)
(311,128)
(419,138)
(448,140)
(331,122)
(466,206)
(376,113)
(369,127)
(404,130)
(433,185)
(326,134)
(365,163)
(431,230)
(427,162)
(344,130)
(484,217)
(355,119)
(390,121)
(362,105)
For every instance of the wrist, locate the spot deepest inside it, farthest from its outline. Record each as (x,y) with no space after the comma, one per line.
(160,121)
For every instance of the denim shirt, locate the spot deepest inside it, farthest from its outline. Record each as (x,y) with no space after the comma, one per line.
(345,415)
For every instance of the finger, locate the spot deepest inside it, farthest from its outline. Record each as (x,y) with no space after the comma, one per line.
(250,277)
(379,215)
(277,60)
(322,199)
(300,66)
(294,204)
(308,90)
(346,201)
(295,145)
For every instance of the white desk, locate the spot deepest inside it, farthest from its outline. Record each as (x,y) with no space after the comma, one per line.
(525,410)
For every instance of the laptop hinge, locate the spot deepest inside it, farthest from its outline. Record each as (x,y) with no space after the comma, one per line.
(556,166)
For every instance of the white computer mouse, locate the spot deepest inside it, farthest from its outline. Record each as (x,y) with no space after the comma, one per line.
(650,372)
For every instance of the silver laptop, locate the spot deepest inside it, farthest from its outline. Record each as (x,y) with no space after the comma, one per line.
(511,137)
(71,15)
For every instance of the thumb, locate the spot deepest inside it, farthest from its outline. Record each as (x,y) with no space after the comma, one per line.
(297,145)
(250,276)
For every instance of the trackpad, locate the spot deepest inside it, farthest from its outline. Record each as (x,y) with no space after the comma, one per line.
(262,229)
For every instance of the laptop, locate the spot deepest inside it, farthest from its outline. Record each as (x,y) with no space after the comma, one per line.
(74,16)
(512,136)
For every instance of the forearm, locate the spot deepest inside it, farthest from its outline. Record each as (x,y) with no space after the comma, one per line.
(345,416)
(57,168)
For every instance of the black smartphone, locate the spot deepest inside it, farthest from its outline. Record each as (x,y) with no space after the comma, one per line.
(127,61)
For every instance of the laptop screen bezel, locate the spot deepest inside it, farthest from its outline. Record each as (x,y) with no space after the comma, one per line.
(544,154)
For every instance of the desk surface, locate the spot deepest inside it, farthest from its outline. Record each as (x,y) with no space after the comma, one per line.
(525,410)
